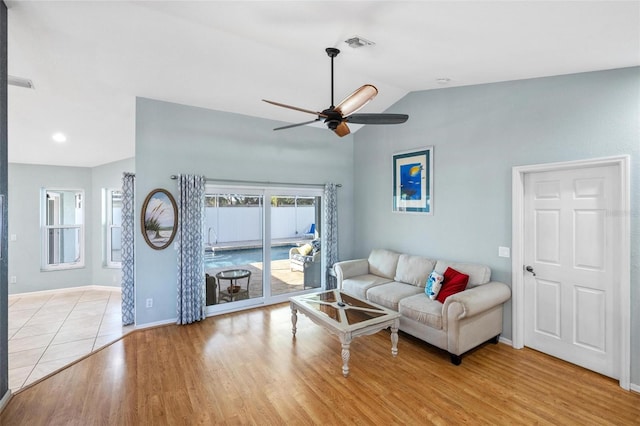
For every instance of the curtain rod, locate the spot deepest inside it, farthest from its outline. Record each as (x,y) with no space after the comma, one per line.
(256,182)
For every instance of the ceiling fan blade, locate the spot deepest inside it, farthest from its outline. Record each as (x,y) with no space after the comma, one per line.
(319,114)
(357,100)
(296,125)
(377,118)
(342,129)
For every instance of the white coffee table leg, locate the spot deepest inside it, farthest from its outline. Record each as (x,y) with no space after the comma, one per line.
(294,319)
(346,343)
(394,338)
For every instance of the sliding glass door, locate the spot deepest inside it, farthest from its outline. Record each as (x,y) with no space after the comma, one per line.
(295,244)
(262,244)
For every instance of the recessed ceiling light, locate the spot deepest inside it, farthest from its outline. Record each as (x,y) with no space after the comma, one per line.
(443,80)
(59,137)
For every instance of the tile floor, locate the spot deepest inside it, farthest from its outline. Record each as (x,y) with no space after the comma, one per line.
(49,331)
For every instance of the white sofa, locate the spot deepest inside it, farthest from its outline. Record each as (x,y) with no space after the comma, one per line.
(397,281)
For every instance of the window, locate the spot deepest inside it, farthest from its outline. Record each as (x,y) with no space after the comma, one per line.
(62,229)
(113,228)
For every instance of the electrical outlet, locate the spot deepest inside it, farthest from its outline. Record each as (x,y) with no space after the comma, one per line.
(13,280)
(504,252)
(149,303)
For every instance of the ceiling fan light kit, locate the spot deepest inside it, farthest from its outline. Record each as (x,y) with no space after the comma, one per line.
(336,117)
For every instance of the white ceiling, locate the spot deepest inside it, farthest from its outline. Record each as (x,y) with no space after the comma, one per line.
(89,60)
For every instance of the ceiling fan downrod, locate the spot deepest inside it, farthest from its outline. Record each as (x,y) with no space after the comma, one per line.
(332,52)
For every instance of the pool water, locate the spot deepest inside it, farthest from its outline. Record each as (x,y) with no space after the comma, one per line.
(224,258)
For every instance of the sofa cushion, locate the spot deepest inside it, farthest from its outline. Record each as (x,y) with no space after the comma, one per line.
(478,274)
(388,295)
(454,282)
(358,285)
(383,263)
(414,270)
(305,249)
(422,309)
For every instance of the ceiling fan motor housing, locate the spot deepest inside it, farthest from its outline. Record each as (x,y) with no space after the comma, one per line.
(333,119)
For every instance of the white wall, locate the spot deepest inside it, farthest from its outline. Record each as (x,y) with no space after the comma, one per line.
(479,133)
(174,139)
(227,224)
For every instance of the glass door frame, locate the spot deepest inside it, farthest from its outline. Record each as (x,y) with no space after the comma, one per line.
(266,192)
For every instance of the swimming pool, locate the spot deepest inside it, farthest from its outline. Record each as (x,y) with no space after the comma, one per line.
(224,258)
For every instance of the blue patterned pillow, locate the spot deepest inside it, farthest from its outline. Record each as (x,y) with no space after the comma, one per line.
(434,284)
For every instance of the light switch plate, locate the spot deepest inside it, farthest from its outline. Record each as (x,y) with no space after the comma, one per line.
(504,252)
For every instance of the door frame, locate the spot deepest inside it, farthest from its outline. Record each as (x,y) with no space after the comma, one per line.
(622,163)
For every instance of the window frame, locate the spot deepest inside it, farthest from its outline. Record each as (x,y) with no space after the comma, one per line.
(45,266)
(107,215)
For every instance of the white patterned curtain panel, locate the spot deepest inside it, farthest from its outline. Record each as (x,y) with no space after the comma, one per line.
(330,230)
(191,278)
(128,260)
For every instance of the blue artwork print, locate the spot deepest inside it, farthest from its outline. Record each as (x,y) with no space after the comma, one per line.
(411,181)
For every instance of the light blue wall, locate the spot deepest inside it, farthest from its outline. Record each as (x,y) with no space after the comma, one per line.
(479,133)
(174,139)
(25,183)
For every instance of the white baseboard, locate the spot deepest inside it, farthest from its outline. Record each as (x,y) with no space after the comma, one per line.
(5,400)
(505,341)
(156,324)
(634,388)
(66,290)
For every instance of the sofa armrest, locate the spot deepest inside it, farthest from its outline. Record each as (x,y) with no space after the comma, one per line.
(350,268)
(474,301)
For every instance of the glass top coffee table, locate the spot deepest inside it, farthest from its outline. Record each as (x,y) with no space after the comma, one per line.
(347,317)
(234,291)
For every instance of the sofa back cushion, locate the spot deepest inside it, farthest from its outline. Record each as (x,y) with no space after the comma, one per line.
(478,274)
(414,270)
(383,263)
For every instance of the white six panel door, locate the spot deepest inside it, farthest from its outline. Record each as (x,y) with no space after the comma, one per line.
(570,303)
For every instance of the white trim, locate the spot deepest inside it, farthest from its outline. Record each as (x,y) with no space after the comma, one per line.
(622,162)
(634,387)
(505,341)
(66,290)
(5,399)
(45,228)
(155,324)
(108,226)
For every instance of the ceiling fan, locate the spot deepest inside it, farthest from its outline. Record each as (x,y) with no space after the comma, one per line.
(337,117)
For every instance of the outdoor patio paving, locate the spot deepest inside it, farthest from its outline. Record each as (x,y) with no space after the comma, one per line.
(283,279)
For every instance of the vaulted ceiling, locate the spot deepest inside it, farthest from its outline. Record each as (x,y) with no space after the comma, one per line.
(89,60)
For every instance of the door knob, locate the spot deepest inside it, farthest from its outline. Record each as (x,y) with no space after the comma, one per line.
(530,269)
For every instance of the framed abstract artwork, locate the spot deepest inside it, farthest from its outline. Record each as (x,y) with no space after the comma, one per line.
(159,219)
(413,181)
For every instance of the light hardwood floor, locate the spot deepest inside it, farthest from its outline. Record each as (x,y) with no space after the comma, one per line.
(245,368)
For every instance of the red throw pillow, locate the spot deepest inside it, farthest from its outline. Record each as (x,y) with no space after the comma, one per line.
(454,282)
